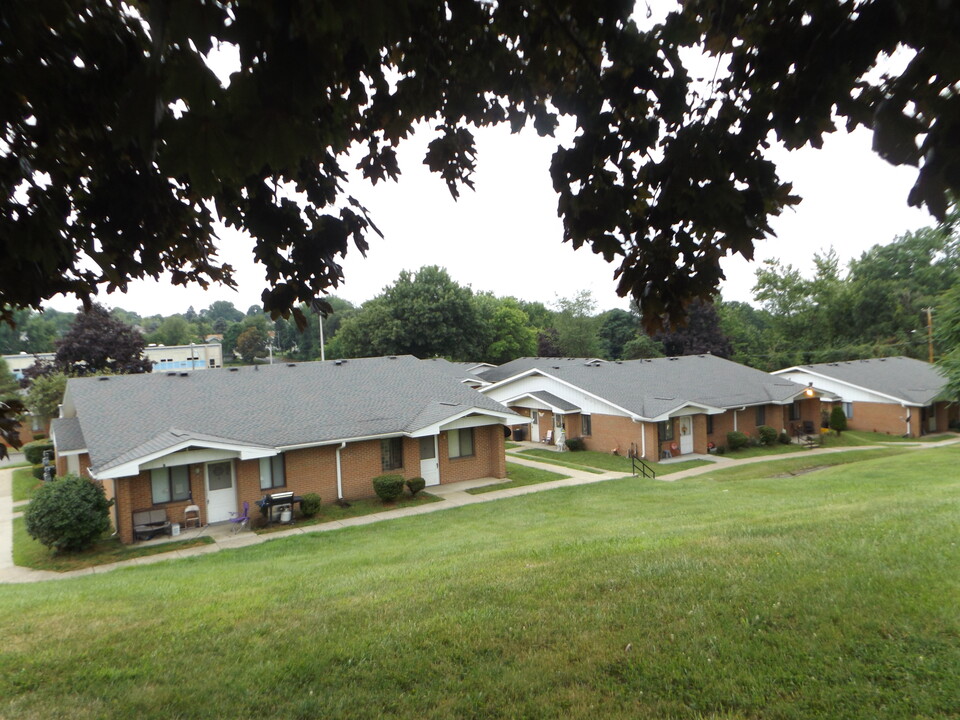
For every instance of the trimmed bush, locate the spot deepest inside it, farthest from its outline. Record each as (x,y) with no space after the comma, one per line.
(838,419)
(388,487)
(415,485)
(68,514)
(310,505)
(737,440)
(783,439)
(768,435)
(37,471)
(33,451)
(721,449)
(575,444)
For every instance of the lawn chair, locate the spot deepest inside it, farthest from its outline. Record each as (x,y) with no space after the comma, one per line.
(548,438)
(241,521)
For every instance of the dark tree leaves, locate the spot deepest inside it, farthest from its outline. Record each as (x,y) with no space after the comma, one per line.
(120,147)
(99,342)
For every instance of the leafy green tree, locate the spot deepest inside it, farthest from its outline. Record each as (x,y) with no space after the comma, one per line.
(642,346)
(9,385)
(251,343)
(660,169)
(222,310)
(424,313)
(747,329)
(174,330)
(617,328)
(577,326)
(46,394)
(513,336)
(11,412)
(947,335)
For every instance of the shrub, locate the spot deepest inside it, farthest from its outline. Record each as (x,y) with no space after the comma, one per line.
(388,487)
(721,449)
(415,485)
(768,435)
(310,505)
(575,444)
(838,420)
(737,440)
(68,514)
(33,451)
(37,471)
(783,439)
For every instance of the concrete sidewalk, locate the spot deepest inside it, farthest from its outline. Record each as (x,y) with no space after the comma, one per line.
(453,495)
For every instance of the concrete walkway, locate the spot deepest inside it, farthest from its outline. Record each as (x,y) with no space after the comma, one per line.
(453,495)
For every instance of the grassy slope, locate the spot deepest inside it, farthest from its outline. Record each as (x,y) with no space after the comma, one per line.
(831,594)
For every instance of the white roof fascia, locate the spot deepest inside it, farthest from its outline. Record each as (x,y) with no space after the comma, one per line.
(339,441)
(633,416)
(539,404)
(893,398)
(133,467)
(491,417)
(686,409)
(67,453)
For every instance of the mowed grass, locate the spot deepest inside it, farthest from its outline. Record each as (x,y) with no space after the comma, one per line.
(27,552)
(24,484)
(830,594)
(599,462)
(518,476)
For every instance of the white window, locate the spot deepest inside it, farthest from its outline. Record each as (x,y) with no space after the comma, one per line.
(586,425)
(460,443)
(848,410)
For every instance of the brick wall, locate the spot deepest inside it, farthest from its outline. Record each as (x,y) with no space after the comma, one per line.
(315,470)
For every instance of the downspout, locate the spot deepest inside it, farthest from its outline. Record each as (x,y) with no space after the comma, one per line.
(643,440)
(735,417)
(340,472)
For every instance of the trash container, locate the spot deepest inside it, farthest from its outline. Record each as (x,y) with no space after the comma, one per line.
(520,434)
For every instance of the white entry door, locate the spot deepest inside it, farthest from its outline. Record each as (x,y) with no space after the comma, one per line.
(534,426)
(221,491)
(429,464)
(686,434)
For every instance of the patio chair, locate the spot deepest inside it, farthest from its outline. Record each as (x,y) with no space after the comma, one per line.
(191,514)
(241,521)
(548,438)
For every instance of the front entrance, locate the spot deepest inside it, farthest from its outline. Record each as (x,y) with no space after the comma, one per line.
(221,491)
(534,426)
(686,434)
(429,464)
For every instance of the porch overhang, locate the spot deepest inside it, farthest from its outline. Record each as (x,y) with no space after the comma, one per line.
(173,448)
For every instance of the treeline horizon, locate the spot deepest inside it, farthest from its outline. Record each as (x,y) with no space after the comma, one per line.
(876,306)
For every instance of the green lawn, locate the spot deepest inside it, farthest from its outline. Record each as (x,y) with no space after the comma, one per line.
(518,476)
(27,552)
(827,595)
(24,484)
(329,513)
(598,462)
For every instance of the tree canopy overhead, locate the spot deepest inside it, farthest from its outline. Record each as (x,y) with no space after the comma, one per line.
(120,148)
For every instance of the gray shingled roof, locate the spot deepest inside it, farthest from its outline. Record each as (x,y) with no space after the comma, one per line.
(68,434)
(650,388)
(913,381)
(128,416)
(553,401)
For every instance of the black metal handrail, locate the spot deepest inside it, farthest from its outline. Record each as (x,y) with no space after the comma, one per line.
(639,464)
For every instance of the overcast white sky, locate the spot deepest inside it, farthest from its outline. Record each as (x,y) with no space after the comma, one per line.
(506,237)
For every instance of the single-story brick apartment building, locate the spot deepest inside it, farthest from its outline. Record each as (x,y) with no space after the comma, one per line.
(216,439)
(894,395)
(656,407)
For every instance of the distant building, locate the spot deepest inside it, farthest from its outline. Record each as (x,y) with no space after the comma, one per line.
(163,357)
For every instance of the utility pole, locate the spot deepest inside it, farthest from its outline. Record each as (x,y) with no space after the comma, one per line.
(929,312)
(315,307)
